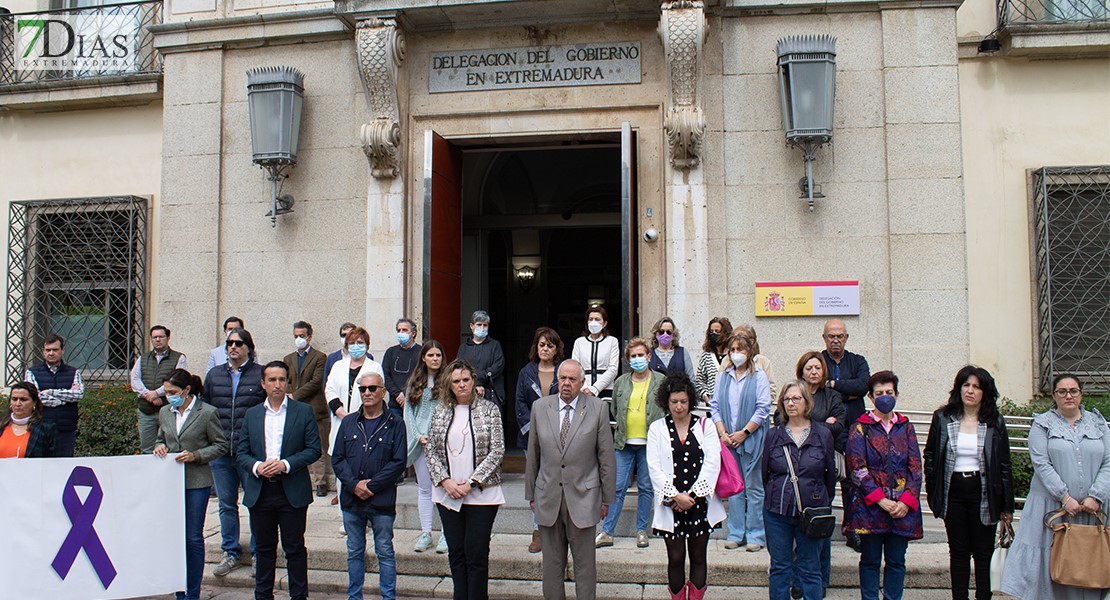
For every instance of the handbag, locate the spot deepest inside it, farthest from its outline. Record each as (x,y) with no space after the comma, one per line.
(729,481)
(1080,555)
(998,559)
(841,467)
(816,522)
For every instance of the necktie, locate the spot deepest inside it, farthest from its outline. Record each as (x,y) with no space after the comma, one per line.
(564,429)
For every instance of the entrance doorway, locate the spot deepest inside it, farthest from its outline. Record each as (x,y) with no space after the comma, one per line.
(545,231)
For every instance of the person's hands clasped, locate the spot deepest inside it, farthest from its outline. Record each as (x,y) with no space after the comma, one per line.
(901,509)
(1090,505)
(271,468)
(456,489)
(683,501)
(362,491)
(1072,506)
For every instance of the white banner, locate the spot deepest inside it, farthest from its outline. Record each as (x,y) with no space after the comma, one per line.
(92,528)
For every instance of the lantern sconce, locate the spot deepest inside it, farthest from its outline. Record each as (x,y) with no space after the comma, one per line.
(807,88)
(526,278)
(275,99)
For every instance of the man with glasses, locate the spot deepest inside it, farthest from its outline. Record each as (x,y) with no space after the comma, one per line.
(398,364)
(847,373)
(369,457)
(147,375)
(218,355)
(232,388)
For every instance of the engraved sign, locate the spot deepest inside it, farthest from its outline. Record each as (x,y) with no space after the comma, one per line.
(535,67)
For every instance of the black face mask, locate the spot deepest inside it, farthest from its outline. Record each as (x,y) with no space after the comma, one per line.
(713,337)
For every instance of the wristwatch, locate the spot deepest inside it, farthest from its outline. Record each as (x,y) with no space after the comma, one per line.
(668,501)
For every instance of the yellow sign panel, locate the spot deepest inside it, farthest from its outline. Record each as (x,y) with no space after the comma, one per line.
(806,298)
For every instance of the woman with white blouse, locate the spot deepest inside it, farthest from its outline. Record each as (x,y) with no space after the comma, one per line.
(598,353)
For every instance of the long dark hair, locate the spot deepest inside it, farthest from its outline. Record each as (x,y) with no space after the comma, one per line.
(36,410)
(418,381)
(988,410)
(552,337)
(722,338)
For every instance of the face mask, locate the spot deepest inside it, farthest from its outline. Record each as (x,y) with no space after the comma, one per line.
(342,342)
(885,404)
(404,338)
(175,401)
(638,364)
(594,327)
(357,350)
(713,337)
(664,339)
(300,343)
(738,358)
(481,332)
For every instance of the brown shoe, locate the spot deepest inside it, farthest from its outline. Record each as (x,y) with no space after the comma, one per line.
(535,547)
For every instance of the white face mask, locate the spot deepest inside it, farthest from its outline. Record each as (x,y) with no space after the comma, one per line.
(595,327)
(738,358)
(300,343)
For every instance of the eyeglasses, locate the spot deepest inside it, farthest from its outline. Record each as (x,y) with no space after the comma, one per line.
(793,400)
(362,389)
(236,343)
(1074,393)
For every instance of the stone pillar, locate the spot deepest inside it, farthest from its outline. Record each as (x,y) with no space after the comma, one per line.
(380,45)
(187,216)
(928,259)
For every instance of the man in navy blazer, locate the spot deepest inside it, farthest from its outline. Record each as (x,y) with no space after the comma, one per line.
(277,442)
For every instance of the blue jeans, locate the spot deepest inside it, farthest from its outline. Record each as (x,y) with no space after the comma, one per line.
(826,564)
(196,505)
(745,510)
(627,457)
(786,544)
(228,477)
(382,526)
(874,548)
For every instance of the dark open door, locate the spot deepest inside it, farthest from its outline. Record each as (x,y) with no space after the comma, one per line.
(630,303)
(442,242)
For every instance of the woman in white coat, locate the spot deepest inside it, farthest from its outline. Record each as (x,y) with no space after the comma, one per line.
(340,390)
(598,352)
(684,458)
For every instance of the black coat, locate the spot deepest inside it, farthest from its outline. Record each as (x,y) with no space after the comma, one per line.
(379,456)
(489,365)
(996,451)
(43,440)
(232,407)
(828,402)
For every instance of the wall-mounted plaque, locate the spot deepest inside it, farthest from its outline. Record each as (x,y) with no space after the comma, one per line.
(534,67)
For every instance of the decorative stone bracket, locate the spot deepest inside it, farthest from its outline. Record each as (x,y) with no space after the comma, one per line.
(682,27)
(381,50)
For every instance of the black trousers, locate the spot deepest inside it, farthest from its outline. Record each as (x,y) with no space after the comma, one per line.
(270,514)
(468,534)
(968,538)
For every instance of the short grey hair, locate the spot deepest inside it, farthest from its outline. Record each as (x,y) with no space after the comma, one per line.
(479,316)
(412,324)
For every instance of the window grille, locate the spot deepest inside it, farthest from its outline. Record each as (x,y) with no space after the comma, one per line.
(77,268)
(1071,221)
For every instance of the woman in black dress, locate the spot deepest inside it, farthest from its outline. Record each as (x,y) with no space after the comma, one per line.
(684,458)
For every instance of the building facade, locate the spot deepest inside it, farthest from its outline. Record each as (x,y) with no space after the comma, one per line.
(531,158)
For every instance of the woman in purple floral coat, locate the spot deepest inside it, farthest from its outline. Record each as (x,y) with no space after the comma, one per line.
(884,462)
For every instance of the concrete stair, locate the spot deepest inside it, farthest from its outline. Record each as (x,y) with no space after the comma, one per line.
(624,571)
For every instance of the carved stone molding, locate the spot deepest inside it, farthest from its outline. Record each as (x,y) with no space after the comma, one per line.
(381,50)
(682,27)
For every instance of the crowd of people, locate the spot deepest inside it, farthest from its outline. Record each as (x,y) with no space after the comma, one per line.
(672,424)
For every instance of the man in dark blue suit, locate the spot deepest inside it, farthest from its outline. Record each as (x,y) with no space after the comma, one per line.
(278,441)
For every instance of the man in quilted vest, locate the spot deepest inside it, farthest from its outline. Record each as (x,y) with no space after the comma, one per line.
(60,388)
(150,370)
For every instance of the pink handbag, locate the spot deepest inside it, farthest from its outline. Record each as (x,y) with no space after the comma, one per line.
(729,481)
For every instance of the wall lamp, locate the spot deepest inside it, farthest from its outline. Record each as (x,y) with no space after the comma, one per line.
(275,98)
(526,278)
(807,87)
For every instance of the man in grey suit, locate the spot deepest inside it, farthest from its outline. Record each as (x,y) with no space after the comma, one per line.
(570,480)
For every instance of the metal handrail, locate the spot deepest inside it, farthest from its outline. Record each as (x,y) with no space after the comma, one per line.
(148,60)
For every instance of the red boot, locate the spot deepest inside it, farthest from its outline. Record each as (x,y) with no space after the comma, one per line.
(696,593)
(681,595)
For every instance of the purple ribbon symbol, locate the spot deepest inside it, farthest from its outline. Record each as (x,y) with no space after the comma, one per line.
(81,533)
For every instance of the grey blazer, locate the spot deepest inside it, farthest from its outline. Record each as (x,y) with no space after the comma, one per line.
(201,434)
(584,472)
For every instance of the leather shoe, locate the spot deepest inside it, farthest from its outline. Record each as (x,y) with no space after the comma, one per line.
(321,491)
(535,546)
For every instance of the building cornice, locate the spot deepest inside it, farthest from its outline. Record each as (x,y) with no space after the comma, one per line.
(288,27)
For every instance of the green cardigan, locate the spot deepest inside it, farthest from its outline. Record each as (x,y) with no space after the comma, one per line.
(618,408)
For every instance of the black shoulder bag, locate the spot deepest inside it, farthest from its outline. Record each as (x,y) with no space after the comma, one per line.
(816,522)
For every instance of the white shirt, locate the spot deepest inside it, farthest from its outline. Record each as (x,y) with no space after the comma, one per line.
(563,410)
(274,427)
(182,415)
(967,452)
(460,459)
